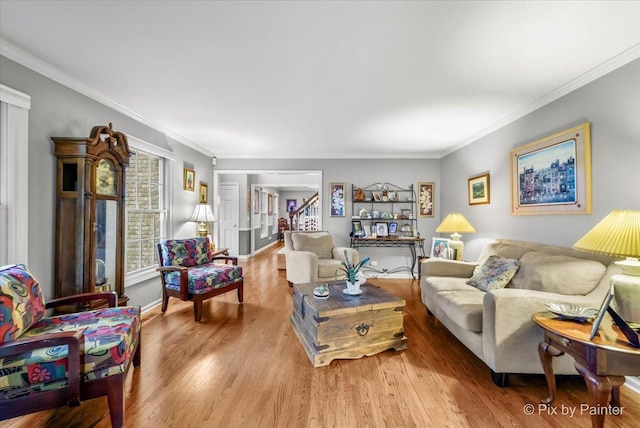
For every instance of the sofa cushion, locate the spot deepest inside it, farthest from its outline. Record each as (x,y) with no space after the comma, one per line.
(21,302)
(557,274)
(495,272)
(204,278)
(320,244)
(462,307)
(327,268)
(503,250)
(446,283)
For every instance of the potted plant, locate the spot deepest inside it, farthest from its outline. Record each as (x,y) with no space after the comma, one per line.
(354,277)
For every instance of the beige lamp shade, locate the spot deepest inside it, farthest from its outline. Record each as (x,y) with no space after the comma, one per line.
(618,234)
(455,223)
(202,215)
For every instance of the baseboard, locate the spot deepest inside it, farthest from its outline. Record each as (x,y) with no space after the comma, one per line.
(633,383)
(151,305)
(266,247)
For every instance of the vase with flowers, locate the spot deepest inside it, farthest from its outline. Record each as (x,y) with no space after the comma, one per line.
(354,277)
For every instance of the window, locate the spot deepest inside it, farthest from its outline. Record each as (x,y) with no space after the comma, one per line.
(146,220)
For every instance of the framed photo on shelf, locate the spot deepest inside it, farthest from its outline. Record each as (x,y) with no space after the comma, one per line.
(337,207)
(603,309)
(203,193)
(382,230)
(440,248)
(393,226)
(553,175)
(189,182)
(377,196)
(392,196)
(367,231)
(478,190)
(356,228)
(426,198)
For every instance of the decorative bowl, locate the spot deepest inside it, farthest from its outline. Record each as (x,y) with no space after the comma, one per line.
(572,312)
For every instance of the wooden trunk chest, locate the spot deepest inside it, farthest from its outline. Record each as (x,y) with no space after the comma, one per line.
(345,326)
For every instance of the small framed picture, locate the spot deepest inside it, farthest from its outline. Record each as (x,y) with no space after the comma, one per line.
(382,230)
(479,191)
(356,229)
(292,204)
(336,193)
(393,226)
(603,308)
(440,248)
(367,231)
(377,196)
(203,193)
(392,196)
(189,182)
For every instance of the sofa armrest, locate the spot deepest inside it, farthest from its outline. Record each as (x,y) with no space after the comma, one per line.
(302,266)
(353,254)
(445,267)
(510,337)
(227,259)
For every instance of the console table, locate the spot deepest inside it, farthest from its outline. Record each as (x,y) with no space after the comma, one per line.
(415,245)
(602,362)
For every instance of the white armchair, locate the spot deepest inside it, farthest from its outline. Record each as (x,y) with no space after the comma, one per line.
(311,256)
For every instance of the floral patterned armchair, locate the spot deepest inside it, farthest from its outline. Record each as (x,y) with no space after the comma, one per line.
(47,362)
(187,272)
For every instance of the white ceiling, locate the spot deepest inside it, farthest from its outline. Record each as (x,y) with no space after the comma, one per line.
(353,79)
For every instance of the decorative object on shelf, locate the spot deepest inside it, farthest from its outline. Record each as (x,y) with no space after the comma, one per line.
(393,196)
(203,193)
(375,214)
(337,208)
(203,216)
(553,175)
(455,223)
(426,198)
(189,182)
(440,248)
(406,230)
(479,190)
(356,228)
(377,196)
(359,195)
(363,213)
(355,278)
(618,234)
(571,312)
(393,227)
(382,230)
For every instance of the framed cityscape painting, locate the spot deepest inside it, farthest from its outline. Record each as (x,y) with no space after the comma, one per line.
(553,175)
(336,192)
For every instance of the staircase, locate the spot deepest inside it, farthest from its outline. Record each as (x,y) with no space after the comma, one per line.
(307,216)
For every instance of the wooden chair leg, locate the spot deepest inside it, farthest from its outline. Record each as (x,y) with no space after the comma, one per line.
(165,301)
(197,309)
(115,398)
(137,357)
(241,293)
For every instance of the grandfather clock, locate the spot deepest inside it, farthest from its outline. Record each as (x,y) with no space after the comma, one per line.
(90,213)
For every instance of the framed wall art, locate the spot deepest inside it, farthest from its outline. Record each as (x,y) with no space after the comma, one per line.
(256,201)
(426,197)
(337,207)
(553,175)
(189,181)
(292,204)
(269,204)
(478,190)
(203,193)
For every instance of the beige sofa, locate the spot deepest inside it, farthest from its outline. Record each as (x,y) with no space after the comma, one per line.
(496,325)
(311,256)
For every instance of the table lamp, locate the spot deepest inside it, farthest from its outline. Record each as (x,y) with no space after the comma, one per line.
(455,223)
(202,215)
(618,235)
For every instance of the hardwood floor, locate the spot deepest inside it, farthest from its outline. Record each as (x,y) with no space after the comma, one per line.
(243,367)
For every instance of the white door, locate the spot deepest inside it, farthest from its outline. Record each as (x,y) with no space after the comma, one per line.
(229,218)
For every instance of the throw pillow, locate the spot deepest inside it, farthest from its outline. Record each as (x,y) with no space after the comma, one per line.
(495,272)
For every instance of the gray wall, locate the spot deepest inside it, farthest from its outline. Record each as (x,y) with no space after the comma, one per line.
(612,105)
(59,111)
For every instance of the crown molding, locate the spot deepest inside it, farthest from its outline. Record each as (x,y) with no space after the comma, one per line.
(16,98)
(31,62)
(606,67)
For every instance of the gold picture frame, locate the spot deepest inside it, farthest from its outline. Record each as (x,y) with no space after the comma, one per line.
(189,180)
(553,175)
(426,199)
(203,193)
(479,190)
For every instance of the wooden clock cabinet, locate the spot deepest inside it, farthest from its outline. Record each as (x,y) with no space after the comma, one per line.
(90,213)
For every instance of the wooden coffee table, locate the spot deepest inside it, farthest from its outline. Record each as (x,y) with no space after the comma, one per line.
(345,326)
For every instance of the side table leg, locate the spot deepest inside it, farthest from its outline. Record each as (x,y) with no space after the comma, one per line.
(599,388)
(546,353)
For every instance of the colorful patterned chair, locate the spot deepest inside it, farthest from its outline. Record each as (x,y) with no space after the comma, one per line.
(187,272)
(47,362)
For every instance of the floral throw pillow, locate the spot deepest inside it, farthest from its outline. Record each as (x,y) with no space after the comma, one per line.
(495,272)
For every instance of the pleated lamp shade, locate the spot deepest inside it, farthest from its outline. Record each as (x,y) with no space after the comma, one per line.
(618,234)
(455,223)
